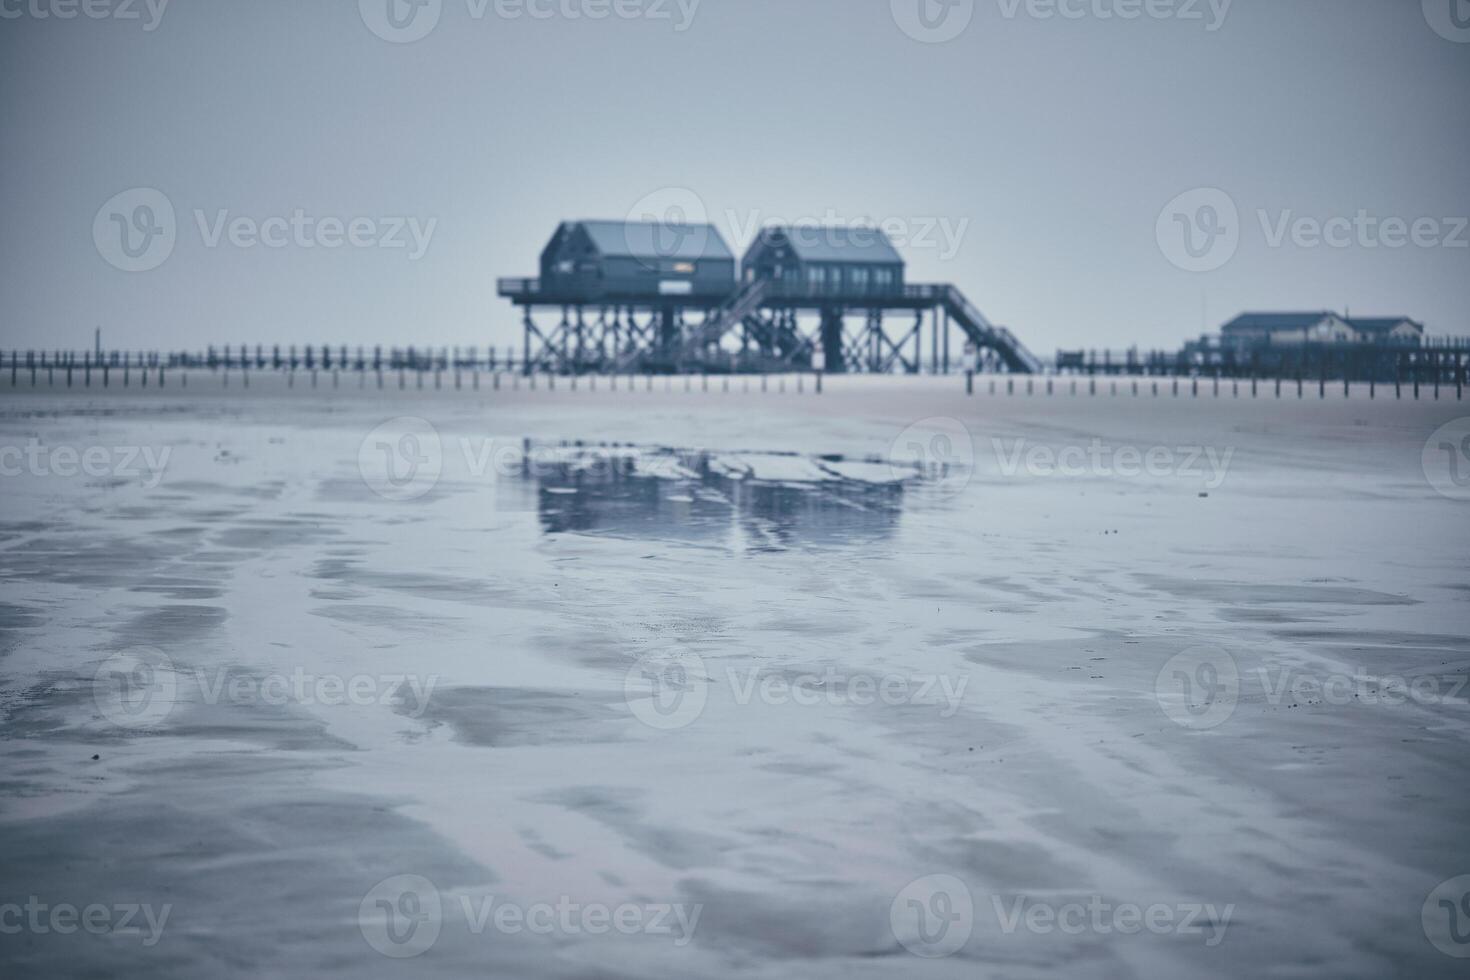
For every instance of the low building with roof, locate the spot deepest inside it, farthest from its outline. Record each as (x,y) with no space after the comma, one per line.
(810,260)
(611,260)
(1323,327)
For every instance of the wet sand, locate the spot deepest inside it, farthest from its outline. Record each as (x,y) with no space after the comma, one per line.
(782,553)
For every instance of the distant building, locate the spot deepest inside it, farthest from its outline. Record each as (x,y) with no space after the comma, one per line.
(636,260)
(1389,329)
(1326,327)
(826,261)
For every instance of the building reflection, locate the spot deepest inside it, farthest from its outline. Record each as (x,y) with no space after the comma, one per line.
(747,501)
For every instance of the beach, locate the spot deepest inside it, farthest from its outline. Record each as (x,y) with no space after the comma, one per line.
(638,681)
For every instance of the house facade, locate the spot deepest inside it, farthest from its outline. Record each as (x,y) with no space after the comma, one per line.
(636,260)
(1325,327)
(847,262)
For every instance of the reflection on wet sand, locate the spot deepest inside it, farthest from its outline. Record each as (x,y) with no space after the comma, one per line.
(750,501)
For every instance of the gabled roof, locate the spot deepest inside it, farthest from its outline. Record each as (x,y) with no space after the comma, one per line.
(1383,324)
(837,243)
(1276,321)
(657,240)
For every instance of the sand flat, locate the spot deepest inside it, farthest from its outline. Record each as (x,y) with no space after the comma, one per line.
(496,748)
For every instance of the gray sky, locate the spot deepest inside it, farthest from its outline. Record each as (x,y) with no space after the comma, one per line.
(1028,159)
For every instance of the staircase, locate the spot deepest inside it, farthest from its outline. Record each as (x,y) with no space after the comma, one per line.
(725,317)
(1017,358)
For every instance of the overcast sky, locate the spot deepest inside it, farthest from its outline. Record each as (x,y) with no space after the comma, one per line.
(1035,154)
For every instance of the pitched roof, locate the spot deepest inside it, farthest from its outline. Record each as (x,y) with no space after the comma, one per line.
(837,243)
(657,240)
(1383,324)
(1276,321)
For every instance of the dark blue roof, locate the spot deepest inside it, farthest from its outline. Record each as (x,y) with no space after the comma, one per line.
(835,243)
(1276,321)
(657,240)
